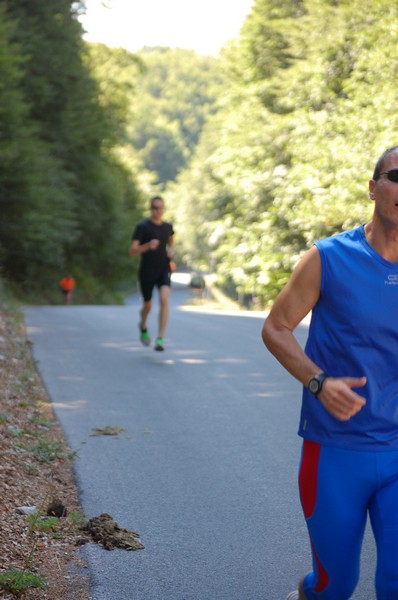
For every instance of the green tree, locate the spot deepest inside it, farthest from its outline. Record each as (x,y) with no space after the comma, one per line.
(297,135)
(31,179)
(175,94)
(68,201)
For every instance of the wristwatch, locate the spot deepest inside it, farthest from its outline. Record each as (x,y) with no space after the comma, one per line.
(315,383)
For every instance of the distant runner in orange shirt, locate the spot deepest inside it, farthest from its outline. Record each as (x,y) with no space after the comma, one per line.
(67,286)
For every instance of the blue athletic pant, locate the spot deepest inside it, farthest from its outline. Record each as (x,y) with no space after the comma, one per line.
(338,488)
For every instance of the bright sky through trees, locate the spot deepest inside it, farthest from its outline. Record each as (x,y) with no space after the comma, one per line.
(201,25)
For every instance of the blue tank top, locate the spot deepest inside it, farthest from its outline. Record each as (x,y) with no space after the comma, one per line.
(354,332)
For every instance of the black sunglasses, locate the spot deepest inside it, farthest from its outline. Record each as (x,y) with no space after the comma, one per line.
(391,175)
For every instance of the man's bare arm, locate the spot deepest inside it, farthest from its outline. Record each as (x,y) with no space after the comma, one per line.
(137,248)
(294,302)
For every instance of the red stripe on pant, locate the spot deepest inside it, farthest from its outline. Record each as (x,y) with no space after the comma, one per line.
(308,484)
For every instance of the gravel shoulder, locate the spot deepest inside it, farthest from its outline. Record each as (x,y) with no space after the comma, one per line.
(36,469)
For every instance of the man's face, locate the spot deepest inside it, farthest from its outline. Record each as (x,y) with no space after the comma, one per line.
(157,208)
(385,192)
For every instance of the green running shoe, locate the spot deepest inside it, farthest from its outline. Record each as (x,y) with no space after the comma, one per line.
(145,337)
(159,344)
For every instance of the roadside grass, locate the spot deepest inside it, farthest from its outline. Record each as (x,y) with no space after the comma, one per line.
(17,580)
(35,469)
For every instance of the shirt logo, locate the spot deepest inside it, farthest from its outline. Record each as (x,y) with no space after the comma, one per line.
(391,280)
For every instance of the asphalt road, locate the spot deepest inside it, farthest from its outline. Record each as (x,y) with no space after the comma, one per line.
(206,467)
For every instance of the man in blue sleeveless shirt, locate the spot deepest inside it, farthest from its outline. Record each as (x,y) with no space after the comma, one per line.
(349,415)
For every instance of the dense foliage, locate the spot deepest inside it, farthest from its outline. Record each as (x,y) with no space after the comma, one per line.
(67,202)
(258,152)
(312,104)
(175,94)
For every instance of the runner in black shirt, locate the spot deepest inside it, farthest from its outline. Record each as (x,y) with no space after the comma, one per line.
(153,241)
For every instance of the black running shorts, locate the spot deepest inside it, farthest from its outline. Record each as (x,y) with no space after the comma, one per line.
(147,285)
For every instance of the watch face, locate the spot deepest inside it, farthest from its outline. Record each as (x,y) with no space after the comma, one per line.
(314,386)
